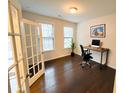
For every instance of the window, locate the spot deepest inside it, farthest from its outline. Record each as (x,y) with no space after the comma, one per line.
(48,37)
(68,35)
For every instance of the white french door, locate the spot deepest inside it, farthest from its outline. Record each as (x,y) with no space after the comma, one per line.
(17,80)
(33,50)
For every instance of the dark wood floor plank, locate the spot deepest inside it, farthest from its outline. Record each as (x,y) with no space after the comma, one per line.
(65,75)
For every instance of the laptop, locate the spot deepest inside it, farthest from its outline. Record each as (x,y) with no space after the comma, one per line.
(95,43)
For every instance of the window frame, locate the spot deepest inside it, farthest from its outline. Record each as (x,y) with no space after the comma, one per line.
(49,37)
(67,37)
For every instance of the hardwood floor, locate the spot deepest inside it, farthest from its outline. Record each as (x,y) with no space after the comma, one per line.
(65,75)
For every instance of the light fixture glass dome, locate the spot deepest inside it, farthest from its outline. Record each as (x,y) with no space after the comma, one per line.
(73,10)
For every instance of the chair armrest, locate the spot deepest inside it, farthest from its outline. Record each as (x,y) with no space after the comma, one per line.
(86,51)
(89,54)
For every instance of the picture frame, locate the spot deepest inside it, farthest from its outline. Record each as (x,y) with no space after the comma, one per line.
(98,31)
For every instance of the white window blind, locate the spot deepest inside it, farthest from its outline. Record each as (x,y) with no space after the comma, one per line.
(48,37)
(68,35)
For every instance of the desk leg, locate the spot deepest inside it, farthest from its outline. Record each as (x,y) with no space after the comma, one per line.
(88,50)
(106,57)
(104,65)
(101,57)
(101,60)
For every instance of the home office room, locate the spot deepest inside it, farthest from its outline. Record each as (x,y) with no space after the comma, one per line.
(61,46)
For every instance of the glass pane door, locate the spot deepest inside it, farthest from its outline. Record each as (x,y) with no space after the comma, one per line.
(33,50)
(16,69)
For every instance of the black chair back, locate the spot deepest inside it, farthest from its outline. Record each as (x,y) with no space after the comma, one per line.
(85,57)
(82,51)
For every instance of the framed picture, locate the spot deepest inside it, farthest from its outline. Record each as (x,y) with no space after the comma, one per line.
(97,31)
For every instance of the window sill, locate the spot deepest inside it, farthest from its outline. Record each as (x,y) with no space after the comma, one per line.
(48,51)
(67,48)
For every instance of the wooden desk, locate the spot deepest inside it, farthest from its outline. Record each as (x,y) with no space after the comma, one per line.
(101,50)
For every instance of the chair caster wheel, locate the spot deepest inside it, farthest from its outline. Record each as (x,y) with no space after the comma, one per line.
(82,66)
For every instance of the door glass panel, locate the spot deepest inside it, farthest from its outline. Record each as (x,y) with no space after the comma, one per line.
(36,69)
(34,50)
(40,66)
(18,47)
(29,52)
(35,60)
(38,44)
(12,79)
(39,58)
(27,29)
(10,52)
(33,30)
(38,32)
(34,40)
(28,41)
(31,71)
(15,19)
(30,62)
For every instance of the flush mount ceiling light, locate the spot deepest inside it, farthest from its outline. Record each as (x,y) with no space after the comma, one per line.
(73,10)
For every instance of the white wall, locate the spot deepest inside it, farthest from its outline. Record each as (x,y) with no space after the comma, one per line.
(83,37)
(58,30)
(114,88)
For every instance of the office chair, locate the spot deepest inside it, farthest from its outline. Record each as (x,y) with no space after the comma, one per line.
(85,57)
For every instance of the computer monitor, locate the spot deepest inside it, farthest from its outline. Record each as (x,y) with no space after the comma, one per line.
(95,43)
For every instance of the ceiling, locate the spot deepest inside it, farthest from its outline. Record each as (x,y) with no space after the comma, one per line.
(87,9)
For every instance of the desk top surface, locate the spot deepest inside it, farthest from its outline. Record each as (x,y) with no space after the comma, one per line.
(100,49)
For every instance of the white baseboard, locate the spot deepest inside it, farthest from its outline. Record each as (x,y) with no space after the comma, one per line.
(111,66)
(56,57)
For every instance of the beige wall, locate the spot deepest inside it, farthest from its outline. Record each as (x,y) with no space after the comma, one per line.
(83,37)
(59,50)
